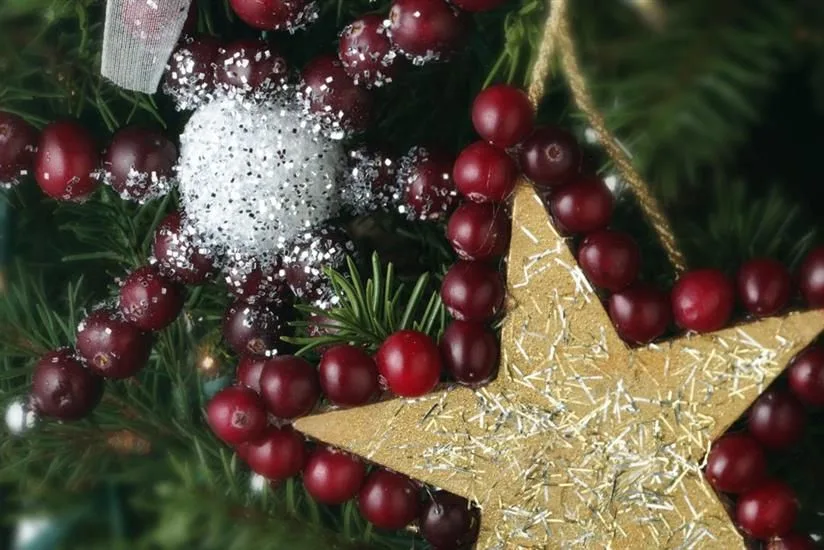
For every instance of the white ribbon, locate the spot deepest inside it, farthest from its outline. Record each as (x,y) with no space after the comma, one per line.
(138,39)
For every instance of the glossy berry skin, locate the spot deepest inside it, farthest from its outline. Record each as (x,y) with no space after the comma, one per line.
(448,522)
(425,30)
(410,363)
(63,388)
(811,278)
(807,376)
(703,300)
(550,156)
(348,376)
(110,346)
(582,206)
(289,386)
(334,95)
(767,511)
(792,541)
(66,159)
(640,313)
(278,454)
(389,500)
(249,64)
(149,300)
(236,415)
(429,190)
(610,259)
(255,329)
(478,5)
(503,115)
(366,53)
(470,352)
(177,255)
(269,14)
(736,464)
(146,154)
(473,291)
(764,286)
(484,173)
(249,370)
(479,231)
(777,419)
(18,144)
(332,476)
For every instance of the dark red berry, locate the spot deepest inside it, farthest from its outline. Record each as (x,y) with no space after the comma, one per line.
(426,178)
(777,419)
(110,346)
(478,5)
(253,284)
(449,522)
(389,500)
(702,300)
(764,286)
(149,300)
(248,371)
(18,145)
(289,386)
(426,30)
(256,329)
(410,363)
(811,278)
(503,115)
(610,259)
(249,64)
(191,69)
(473,291)
(278,454)
(139,161)
(484,173)
(332,476)
(315,250)
(66,160)
(479,231)
(272,14)
(807,376)
(348,376)
(640,313)
(236,415)
(792,541)
(550,156)
(178,256)
(63,388)
(334,95)
(736,464)
(366,53)
(767,511)
(470,352)
(582,206)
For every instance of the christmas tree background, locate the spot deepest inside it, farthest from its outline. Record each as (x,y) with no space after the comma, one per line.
(720,105)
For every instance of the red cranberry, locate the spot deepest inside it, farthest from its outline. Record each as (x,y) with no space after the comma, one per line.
(767,511)
(150,301)
(811,277)
(18,145)
(736,464)
(641,313)
(138,160)
(278,454)
(777,419)
(62,388)
(248,371)
(792,541)
(332,476)
(348,376)
(332,93)
(389,500)
(256,328)
(425,30)
(478,5)
(479,231)
(426,177)
(582,206)
(249,64)
(473,291)
(289,386)
(470,352)
(807,376)
(410,363)
(66,160)
(449,522)
(484,173)
(764,286)
(366,53)
(191,67)
(178,256)
(610,259)
(702,300)
(503,115)
(253,284)
(110,346)
(272,14)
(236,415)
(550,156)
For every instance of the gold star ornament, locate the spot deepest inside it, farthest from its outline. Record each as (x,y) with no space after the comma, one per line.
(581,441)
